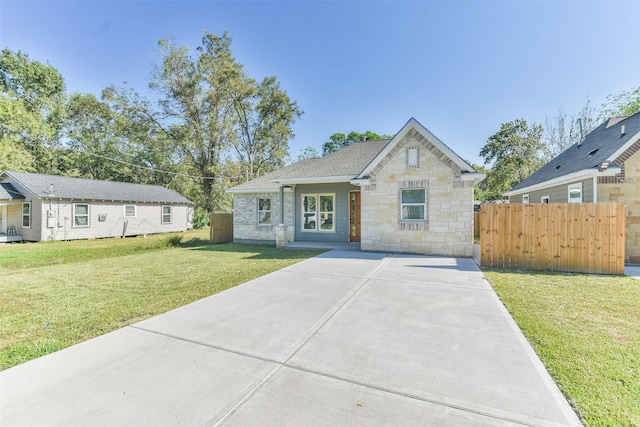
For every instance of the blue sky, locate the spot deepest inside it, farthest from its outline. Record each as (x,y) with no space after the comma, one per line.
(460,68)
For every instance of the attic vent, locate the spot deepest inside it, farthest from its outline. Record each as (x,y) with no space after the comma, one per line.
(558,167)
(592,152)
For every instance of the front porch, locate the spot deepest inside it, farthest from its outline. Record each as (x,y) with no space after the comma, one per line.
(8,238)
(353,246)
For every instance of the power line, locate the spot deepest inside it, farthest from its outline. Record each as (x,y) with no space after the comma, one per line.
(148,167)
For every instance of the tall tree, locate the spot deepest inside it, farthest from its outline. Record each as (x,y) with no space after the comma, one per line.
(264,116)
(513,153)
(563,130)
(339,140)
(626,103)
(32,111)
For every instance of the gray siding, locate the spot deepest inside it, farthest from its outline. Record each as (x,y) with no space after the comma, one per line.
(341,232)
(558,193)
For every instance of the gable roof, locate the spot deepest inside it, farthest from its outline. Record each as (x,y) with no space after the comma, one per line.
(8,192)
(351,163)
(65,187)
(594,155)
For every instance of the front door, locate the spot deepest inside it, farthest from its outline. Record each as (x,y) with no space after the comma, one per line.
(354,216)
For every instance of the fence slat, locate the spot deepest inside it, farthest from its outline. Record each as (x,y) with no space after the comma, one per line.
(586,238)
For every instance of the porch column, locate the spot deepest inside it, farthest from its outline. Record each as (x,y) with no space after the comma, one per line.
(282,205)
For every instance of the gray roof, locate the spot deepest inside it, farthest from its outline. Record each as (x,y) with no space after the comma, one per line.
(599,145)
(89,189)
(346,162)
(8,192)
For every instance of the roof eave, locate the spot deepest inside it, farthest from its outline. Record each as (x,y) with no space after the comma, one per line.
(315,179)
(565,179)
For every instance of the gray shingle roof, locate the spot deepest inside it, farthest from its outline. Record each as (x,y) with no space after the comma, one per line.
(89,189)
(8,192)
(349,161)
(599,145)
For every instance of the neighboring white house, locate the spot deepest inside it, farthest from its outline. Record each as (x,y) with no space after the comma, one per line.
(35,207)
(409,194)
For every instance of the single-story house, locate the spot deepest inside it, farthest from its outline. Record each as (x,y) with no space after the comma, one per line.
(35,207)
(409,194)
(604,166)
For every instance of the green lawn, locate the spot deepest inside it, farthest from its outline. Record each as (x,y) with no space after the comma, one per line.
(56,294)
(586,329)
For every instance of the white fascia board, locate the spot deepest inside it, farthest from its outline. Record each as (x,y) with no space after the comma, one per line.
(361,181)
(314,180)
(473,176)
(565,179)
(624,148)
(255,190)
(414,124)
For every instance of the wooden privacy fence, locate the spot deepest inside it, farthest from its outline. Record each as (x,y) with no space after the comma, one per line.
(221,227)
(571,237)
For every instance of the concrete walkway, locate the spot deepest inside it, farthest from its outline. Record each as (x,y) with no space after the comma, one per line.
(346,338)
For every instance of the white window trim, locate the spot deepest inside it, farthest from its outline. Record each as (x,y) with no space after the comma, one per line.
(424,205)
(135,211)
(544,199)
(88,215)
(22,215)
(162,214)
(525,198)
(318,229)
(270,210)
(572,187)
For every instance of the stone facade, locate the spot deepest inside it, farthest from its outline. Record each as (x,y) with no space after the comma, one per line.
(448,227)
(625,188)
(245,217)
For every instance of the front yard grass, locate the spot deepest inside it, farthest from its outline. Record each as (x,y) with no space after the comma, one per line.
(56,294)
(586,329)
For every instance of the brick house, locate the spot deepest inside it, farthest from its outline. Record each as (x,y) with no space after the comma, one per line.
(603,167)
(409,194)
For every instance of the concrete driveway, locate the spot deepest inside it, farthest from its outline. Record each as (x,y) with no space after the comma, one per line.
(346,338)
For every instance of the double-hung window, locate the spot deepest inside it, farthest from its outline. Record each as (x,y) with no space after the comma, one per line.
(167,214)
(413,204)
(318,212)
(575,193)
(129,211)
(26,215)
(264,211)
(81,215)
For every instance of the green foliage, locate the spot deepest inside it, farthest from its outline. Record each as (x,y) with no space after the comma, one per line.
(308,153)
(513,153)
(563,130)
(340,140)
(201,218)
(32,113)
(626,103)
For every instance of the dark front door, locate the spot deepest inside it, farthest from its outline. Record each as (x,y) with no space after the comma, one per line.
(354,216)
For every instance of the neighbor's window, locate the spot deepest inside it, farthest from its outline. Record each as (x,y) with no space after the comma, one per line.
(26,215)
(525,198)
(81,215)
(167,214)
(318,211)
(544,199)
(575,193)
(264,211)
(413,204)
(129,211)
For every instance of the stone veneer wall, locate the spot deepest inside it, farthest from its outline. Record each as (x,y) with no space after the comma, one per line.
(449,229)
(245,216)
(628,192)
